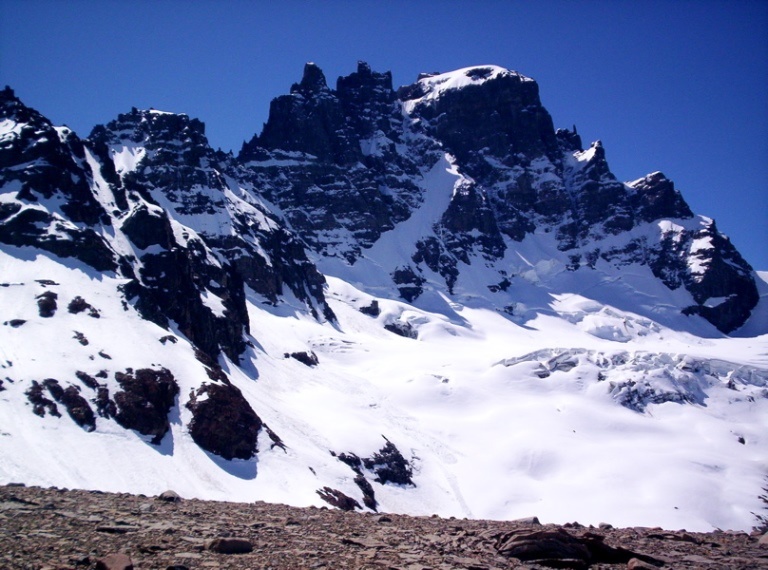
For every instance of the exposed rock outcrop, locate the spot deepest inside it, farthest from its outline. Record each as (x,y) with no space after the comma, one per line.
(223,421)
(145,400)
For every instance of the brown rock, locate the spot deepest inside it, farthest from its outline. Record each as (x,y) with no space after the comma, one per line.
(763,540)
(115,562)
(230,545)
(542,545)
(527,520)
(338,499)
(635,564)
(223,422)
(169,496)
(55,528)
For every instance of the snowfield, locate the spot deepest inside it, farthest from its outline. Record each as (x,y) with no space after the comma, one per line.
(584,412)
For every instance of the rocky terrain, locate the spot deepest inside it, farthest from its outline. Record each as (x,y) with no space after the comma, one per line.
(60,528)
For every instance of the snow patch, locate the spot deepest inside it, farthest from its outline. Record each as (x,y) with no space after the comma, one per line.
(435,86)
(127,157)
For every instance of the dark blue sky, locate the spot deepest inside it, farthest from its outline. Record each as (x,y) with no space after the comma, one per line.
(677,86)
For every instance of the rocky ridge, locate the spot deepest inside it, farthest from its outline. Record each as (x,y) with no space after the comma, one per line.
(62,529)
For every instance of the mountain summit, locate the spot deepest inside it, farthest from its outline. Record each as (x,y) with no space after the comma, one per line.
(380,279)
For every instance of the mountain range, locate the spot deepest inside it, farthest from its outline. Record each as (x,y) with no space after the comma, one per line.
(420,300)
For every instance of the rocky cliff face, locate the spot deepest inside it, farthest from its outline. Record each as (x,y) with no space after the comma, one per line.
(143,194)
(343,165)
(529,176)
(47,183)
(166,159)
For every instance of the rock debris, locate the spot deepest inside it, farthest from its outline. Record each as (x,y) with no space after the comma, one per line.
(59,529)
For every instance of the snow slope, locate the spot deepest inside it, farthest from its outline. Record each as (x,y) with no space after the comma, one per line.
(486,435)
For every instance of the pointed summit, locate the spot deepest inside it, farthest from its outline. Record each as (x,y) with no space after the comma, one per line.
(12,108)
(368,79)
(313,81)
(363,67)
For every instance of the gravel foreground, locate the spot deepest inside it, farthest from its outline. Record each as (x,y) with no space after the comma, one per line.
(90,530)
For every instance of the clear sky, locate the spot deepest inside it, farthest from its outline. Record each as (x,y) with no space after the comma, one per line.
(678,86)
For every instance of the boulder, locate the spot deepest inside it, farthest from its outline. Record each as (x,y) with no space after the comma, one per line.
(338,499)
(223,421)
(146,398)
(541,545)
(169,497)
(557,548)
(46,304)
(230,545)
(115,562)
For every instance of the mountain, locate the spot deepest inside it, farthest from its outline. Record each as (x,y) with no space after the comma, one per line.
(415,300)
(346,166)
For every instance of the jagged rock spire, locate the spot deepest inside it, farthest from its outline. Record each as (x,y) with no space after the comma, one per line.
(313,81)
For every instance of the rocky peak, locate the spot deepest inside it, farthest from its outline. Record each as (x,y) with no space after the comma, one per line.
(152,129)
(592,176)
(367,99)
(11,108)
(365,77)
(310,120)
(45,161)
(181,171)
(176,160)
(331,162)
(717,276)
(656,197)
(431,86)
(483,110)
(356,159)
(570,141)
(312,82)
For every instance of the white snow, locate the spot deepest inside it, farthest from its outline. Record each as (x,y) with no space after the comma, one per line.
(586,156)
(213,302)
(375,145)
(127,157)
(101,187)
(9,129)
(436,85)
(487,436)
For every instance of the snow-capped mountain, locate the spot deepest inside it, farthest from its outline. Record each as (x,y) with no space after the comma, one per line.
(346,166)
(416,300)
